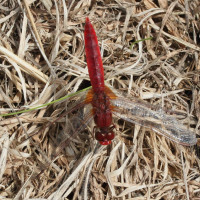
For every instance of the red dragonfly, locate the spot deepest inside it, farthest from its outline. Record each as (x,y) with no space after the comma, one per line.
(102,103)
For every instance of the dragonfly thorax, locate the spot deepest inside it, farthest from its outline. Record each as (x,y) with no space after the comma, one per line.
(102,111)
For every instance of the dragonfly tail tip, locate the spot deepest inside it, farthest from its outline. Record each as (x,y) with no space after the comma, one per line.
(87,20)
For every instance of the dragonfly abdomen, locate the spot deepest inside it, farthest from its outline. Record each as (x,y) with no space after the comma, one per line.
(93,57)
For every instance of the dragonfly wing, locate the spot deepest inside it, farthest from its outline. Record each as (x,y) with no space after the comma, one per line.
(158,120)
(74,125)
(80,99)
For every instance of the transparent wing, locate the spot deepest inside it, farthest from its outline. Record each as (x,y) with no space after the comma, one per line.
(141,113)
(75,124)
(81,99)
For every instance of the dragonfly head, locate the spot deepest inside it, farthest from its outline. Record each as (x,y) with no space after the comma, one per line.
(105,136)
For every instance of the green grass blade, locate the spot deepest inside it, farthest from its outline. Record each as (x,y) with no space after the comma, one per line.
(140,41)
(47,104)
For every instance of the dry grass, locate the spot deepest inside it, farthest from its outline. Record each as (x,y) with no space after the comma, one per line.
(42,58)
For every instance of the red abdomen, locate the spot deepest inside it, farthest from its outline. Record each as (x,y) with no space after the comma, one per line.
(93,56)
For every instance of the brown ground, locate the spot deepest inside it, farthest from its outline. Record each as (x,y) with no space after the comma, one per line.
(42,59)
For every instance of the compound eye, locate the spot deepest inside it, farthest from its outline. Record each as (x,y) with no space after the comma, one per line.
(110,136)
(100,136)
(105,142)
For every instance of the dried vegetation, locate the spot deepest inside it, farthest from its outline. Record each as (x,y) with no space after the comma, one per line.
(42,58)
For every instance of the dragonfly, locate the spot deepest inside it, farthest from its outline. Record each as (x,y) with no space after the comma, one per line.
(100,103)
(105,103)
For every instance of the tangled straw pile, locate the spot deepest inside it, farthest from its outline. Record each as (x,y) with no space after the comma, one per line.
(42,59)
